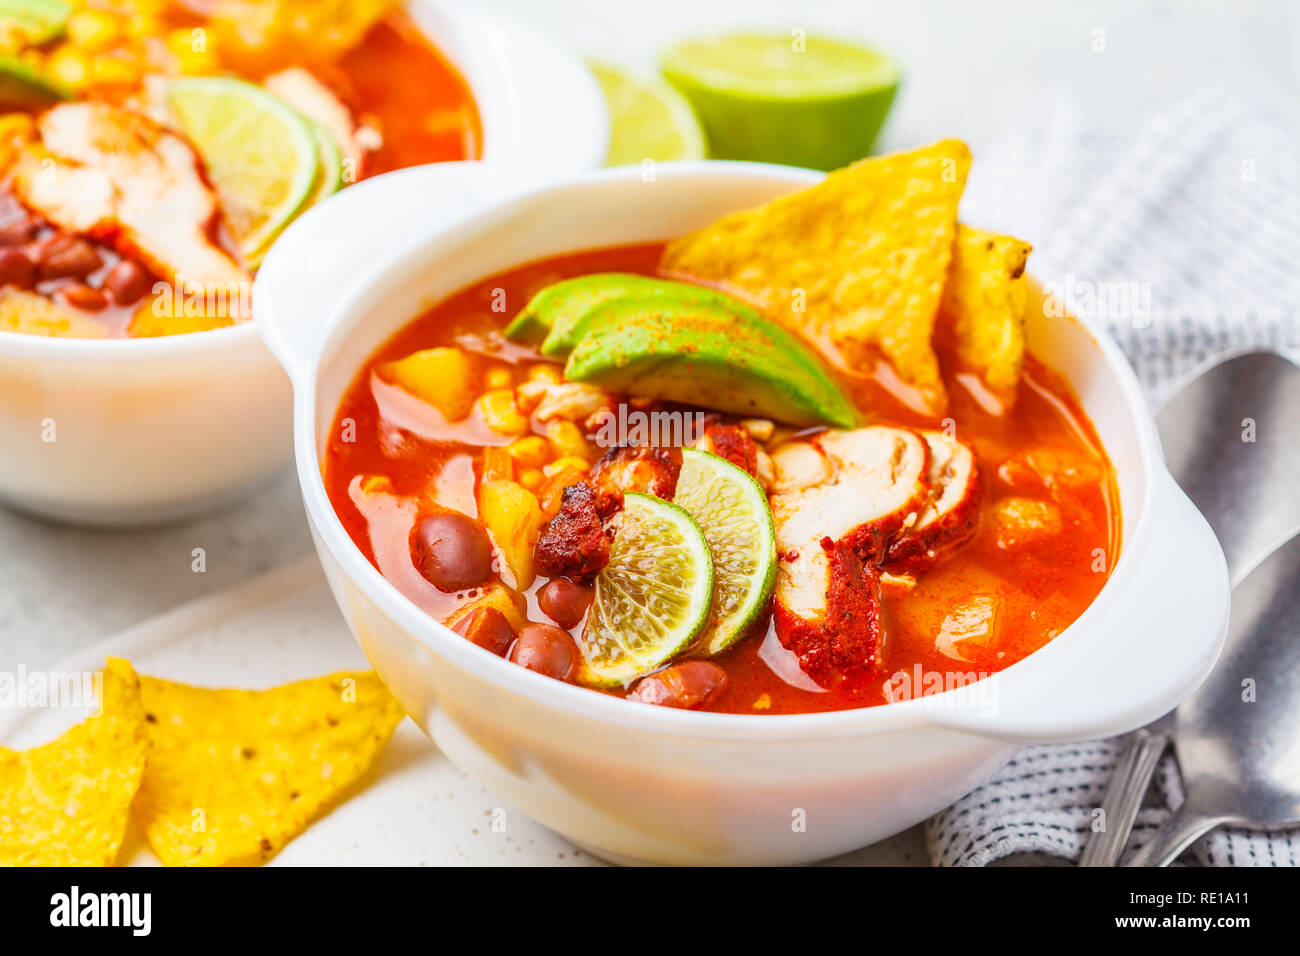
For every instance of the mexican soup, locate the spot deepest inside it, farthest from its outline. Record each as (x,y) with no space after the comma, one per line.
(632,469)
(148,144)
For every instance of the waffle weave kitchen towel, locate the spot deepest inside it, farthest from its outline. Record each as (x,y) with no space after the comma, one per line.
(1181,236)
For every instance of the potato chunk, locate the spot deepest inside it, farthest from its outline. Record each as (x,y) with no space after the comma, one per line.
(513,517)
(446,378)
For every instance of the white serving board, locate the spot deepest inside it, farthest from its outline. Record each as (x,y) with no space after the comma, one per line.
(418,809)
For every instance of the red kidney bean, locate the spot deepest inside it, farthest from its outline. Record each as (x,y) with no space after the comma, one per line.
(689,685)
(488,628)
(63,256)
(452,551)
(16,269)
(564,602)
(127,282)
(547,650)
(17,231)
(83,297)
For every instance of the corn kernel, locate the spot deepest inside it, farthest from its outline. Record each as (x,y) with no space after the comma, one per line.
(141,25)
(68,66)
(193,63)
(105,69)
(531,478)
(93,29)
(532,451)
(545,372)
(565,464)
(500,412)
(499,377)
(568,440)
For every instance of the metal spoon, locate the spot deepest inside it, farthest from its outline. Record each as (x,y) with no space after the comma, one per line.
(1238,737)
(1232,440)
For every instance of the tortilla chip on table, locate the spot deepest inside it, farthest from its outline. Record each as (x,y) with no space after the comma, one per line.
(859,259)
(234,775)
(67,803)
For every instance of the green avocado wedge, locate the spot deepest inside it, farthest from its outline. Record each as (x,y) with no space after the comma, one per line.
(705,348)
(35,22)
(22,87)
(550,315)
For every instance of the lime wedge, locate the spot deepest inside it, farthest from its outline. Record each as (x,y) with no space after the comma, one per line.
(733,513)
(647,120)
(329,178)
(798,100)
(260,155)
(652,598)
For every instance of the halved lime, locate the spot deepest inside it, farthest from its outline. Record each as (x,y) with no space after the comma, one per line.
(733,513)
(260,154)
(652,598)
(784,98)
(647,120)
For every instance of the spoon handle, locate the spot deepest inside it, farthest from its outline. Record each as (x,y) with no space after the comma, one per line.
(1175,835)
(1128,784)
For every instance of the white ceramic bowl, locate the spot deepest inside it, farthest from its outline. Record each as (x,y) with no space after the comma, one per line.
(634,782)
(147,430)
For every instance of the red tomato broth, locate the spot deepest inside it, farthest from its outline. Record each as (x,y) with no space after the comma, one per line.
(1039,589)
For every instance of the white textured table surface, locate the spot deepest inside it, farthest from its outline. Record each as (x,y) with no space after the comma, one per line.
(971,67)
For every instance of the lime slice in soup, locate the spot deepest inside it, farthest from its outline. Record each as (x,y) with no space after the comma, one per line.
(261,155)
(647,120)
(785,98)
(732,511)
(653,597)
(329,176)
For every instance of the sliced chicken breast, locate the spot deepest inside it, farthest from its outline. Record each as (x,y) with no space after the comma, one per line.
(952,512)
(117,175)
(316,101)
(839,499)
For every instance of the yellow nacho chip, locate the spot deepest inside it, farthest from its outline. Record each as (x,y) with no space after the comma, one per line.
(859,259)
(233,775)
(67,803)
(981,319)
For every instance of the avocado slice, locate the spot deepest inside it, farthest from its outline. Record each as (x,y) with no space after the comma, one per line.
(705,348)
(549,316)
(22,87)
(35,22)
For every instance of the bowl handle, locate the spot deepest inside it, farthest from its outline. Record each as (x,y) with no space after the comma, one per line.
(335,244)
(1147,641)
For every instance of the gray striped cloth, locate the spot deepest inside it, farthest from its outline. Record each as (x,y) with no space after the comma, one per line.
(1181,236)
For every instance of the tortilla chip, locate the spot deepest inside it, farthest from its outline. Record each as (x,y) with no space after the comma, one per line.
(859,259)
(981,319)
(67,803)
(235,774)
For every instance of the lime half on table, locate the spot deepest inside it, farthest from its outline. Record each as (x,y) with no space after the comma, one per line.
(798,100)
(647,120)
(733,513)
(261,155)
(653,597)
